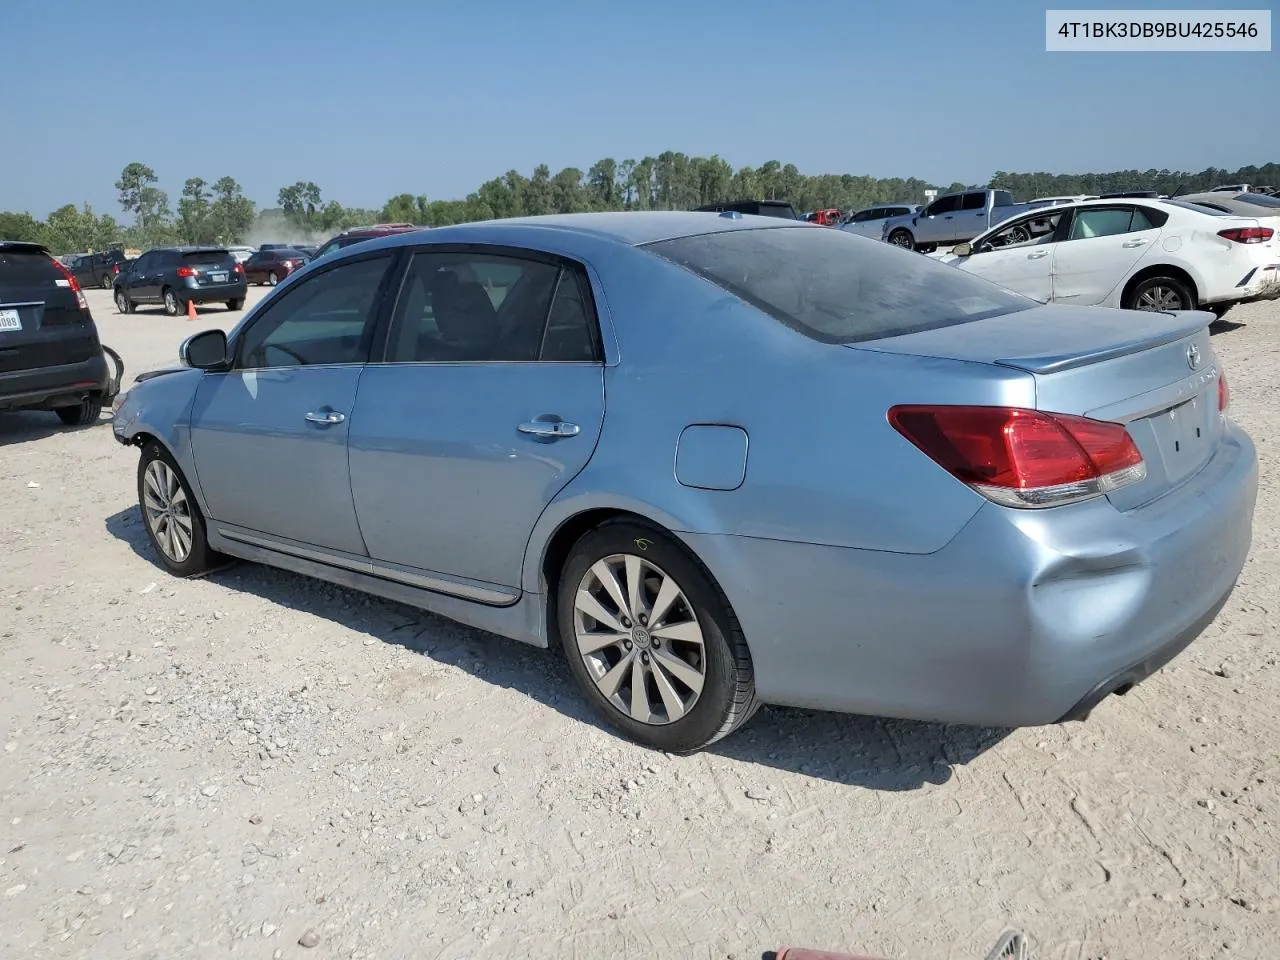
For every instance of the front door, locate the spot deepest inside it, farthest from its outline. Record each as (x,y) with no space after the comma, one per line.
(1019,255)
(269,437)
(490,401)
(1104,245)
(143,282)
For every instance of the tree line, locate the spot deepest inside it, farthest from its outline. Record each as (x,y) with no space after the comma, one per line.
(219,212)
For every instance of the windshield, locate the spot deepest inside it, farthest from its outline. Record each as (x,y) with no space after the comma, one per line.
(837,287)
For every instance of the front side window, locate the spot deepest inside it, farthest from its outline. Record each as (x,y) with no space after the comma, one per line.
(834,287)
(326,319)
(1024,231)
(943,205)
(481,307)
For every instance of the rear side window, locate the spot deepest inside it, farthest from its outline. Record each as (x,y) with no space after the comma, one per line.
(973,201)
(838,288)
(28,269)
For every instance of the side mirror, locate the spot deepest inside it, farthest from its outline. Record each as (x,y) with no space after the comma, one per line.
(962,249)
(205,351)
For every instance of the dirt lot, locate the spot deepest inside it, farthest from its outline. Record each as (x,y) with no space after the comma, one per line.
(191,768)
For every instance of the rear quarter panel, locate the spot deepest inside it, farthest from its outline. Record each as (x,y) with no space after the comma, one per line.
(823,464)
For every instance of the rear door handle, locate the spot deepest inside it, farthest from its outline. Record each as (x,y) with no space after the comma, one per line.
(1037,255)
(1133,243)
(326,417)
(549,429)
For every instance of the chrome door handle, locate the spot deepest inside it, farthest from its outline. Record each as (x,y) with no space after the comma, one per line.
(1037,256)
(1133,243)
(328,417)
(549,429)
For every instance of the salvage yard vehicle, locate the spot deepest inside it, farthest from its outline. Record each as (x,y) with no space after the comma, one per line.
(176,276)
(360,234)
(50,355)
(870,222)
(1135,254)
(270,266)
(719,462)
(952,218)
(782,209)
(1243,204)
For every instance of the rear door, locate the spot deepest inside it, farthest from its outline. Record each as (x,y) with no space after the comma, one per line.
(490,400)
(41,323)
(973,217)
(1101,249)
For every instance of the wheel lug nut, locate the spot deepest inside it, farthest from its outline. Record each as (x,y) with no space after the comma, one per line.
(626,644)
(644,658)
(656,643)
(626,623)
(643,619)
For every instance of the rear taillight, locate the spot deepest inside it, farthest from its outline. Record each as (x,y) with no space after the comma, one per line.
(115,268)
(81,302)
(238,268)
(1247,234)
(1224,394)
(1023,458)
(186,271)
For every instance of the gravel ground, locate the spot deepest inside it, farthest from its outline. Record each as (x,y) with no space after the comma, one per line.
(261,765)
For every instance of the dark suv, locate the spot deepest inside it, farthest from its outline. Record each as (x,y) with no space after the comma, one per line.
(50,355)
(99,269)
(176,276)
(356,234)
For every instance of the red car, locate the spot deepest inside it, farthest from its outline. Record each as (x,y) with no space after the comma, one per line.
(272,266)
(827,218)
(356,234)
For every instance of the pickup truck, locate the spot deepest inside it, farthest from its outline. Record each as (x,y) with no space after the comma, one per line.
(952,218)
(98,269)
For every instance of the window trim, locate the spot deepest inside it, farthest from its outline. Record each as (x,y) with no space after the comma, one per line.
(1130,208)
(561,261)
(394,258)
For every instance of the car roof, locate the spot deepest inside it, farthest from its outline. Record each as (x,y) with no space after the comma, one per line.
(24,246)
(629,228)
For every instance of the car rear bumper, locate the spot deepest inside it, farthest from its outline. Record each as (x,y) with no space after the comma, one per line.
(213,294)
(1024,618)
(54,386)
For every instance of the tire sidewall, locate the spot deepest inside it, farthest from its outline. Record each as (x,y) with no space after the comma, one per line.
(909,245)
(198,559)
(122,301)
(170,298)
(1183,291)
(705,722)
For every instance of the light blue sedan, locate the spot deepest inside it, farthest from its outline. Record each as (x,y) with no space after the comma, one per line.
(720,461)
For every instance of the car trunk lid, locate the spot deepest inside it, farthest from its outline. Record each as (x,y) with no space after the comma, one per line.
(211,268)
(1156,373)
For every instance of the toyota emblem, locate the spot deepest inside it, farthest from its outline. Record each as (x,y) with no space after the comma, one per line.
(1193,356)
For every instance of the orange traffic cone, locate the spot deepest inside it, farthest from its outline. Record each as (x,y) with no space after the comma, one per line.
(191,309)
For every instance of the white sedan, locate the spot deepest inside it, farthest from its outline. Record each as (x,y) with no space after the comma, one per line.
(1135,254)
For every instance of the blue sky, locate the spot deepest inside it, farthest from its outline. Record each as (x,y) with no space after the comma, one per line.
(388,96)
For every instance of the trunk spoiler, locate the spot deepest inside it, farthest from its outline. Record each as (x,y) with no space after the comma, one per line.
(1185,323)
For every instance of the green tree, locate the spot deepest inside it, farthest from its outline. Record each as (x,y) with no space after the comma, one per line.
(300,203)
(231,213)
(193,224)
(149,204)
(70,230)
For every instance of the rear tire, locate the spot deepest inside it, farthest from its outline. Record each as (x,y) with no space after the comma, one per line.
(695,642)
(123,303)
(1159,294)
(902,238)
(235,304)
(272,279)
(171,305)
(82,414)
(175,526)
(107,281)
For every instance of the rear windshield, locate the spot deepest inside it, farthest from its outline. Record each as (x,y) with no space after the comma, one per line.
(218,257)
(22,268)
(1260,199)
(837,287)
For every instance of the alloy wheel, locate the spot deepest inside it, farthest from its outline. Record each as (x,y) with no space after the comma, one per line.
(638,635)
(1160,298)
(167,511)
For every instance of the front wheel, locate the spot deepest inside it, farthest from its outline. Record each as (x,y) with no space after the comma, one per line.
(902,238)
(173,520)
(1160,294)
(123,303)
(651,640)
(272,279)
(171,305)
